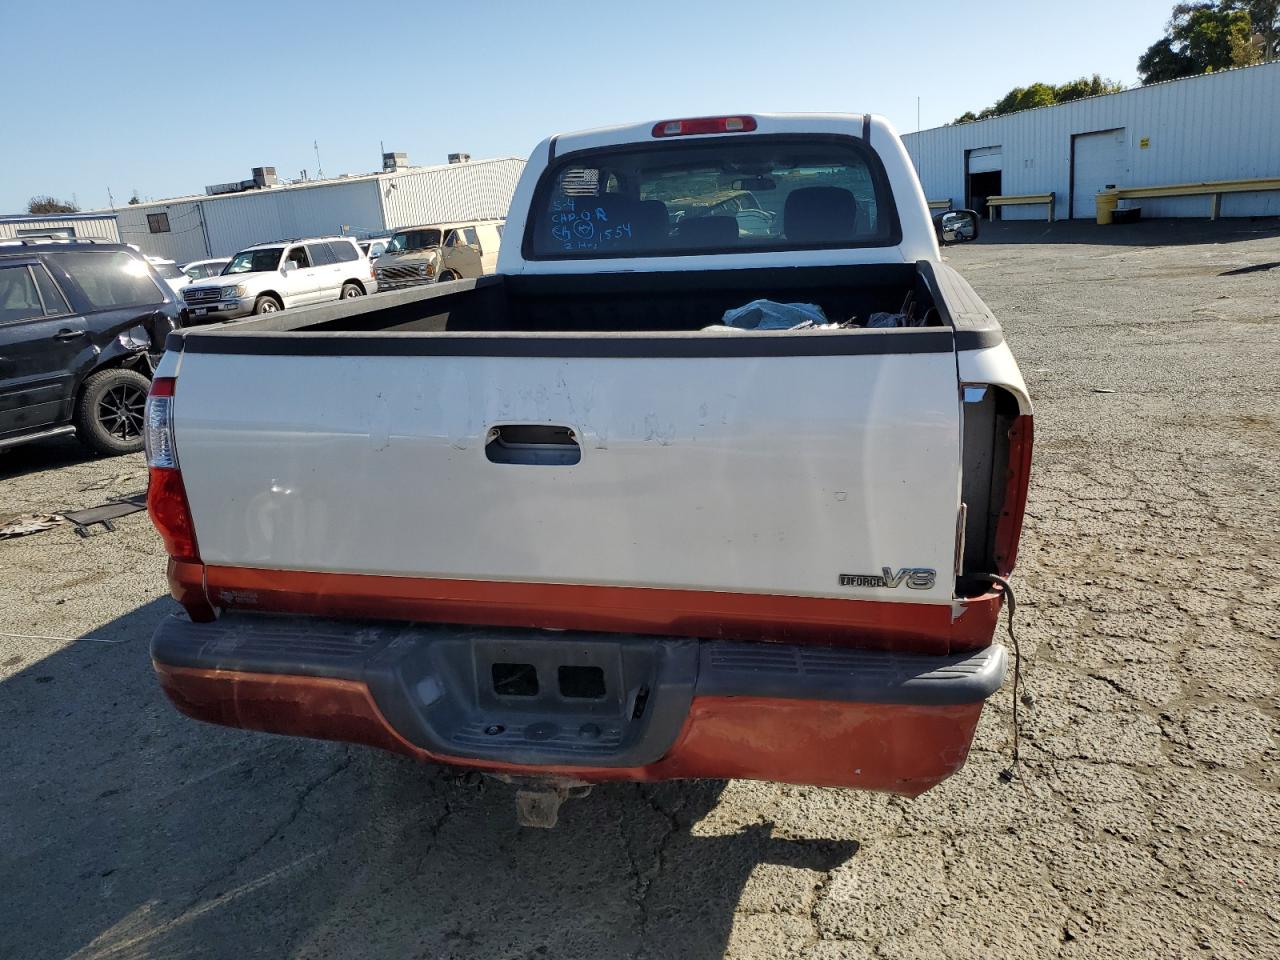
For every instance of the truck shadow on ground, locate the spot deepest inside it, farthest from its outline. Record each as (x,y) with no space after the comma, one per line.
(129,830)
(38,455)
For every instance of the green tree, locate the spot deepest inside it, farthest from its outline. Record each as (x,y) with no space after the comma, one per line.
(47,204)
(1204,37)
(1265,17)
(1044,95)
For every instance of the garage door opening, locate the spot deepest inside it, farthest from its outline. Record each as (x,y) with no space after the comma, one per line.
(1098,160)
(982,177)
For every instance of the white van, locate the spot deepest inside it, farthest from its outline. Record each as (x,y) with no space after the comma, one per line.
(439,252)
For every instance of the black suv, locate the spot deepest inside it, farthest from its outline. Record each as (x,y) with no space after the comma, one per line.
(82,324)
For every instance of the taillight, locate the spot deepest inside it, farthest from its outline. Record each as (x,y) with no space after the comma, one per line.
(996,470)
(1017,481)
(166,495)
(696,125)
(158,439)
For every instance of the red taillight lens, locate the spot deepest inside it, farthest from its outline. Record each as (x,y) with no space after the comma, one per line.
(167,504)
(696,125)
(166,495)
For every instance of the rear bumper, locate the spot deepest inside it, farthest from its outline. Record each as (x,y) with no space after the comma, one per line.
(666,708)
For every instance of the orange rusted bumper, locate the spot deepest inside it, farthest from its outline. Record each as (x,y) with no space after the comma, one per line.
(901,748)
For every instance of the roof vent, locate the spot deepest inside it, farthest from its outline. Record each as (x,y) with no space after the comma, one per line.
(391,162)
(459,158)
(264,177)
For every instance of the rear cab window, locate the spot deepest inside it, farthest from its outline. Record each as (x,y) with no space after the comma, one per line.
(111,279)
(723,195)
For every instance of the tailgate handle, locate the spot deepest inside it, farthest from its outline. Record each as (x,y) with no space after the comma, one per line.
(534,444)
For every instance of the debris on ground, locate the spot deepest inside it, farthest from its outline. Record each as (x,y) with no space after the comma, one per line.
(31,523)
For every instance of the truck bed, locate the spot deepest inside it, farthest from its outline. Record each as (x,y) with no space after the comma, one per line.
(534,451)
(644,303)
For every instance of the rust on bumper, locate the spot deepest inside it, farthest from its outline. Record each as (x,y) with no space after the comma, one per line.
(900,748)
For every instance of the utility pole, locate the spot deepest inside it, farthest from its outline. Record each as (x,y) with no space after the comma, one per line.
(111,198)
(917,114)
(319,168)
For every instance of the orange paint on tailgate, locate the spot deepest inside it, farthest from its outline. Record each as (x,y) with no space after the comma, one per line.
(902,749)
(910,627)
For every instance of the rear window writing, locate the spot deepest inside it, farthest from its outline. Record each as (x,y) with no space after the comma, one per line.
(723,197)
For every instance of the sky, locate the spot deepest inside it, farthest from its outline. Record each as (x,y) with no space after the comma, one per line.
(165,98)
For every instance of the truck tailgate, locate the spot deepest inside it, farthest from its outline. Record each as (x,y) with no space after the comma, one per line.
(821,466)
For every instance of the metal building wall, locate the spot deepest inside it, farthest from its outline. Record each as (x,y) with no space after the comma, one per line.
(101,227)
(325,208)
(458,191)
(1221,126)
(362,206)
(183,242)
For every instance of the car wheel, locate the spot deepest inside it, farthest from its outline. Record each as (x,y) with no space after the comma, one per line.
(267,305)
(351,290)
(447,276)
(110,413)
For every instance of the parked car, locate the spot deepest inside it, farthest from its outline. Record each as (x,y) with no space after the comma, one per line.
(437,253)
(681,549)
(81,323)
(170,273)
(269,277)
(374,247)
(203,269)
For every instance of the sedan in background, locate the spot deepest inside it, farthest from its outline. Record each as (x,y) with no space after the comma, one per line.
(203,269)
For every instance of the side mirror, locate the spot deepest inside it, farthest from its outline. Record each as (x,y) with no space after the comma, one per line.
(956,226)
(288,267)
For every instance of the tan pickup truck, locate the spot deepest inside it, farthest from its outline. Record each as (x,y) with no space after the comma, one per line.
(440,252)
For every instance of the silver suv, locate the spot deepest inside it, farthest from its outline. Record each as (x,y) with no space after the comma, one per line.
(287,273)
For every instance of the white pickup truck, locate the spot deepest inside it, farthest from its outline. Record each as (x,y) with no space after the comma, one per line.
(562,523)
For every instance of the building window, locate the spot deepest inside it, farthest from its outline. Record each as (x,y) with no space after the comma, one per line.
(158,222)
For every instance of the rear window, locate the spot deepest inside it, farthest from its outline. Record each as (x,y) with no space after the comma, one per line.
(111,279)
(722,196)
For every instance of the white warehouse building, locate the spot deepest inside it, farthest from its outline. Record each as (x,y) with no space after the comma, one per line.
(98,226)
(218,224)
(1219,126)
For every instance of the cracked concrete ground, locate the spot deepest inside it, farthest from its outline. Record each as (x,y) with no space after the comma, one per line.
(1143,825)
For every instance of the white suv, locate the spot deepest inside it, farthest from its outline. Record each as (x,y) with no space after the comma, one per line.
(288,273)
